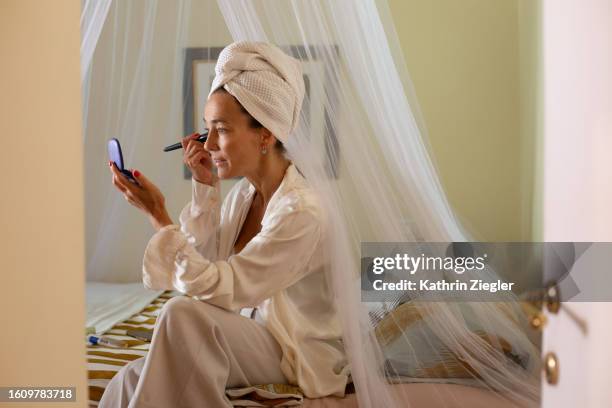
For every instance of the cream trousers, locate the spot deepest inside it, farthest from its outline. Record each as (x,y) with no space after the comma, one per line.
(197,351)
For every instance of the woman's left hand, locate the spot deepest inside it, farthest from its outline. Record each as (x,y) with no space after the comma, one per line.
(145,196)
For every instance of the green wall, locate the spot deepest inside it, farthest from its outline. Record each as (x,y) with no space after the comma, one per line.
(474,64)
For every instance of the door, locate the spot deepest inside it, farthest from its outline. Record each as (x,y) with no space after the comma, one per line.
(577,189)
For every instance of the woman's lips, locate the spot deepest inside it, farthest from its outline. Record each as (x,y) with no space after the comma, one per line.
(220,162)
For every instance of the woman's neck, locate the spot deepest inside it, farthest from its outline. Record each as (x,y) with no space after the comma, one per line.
(267,178)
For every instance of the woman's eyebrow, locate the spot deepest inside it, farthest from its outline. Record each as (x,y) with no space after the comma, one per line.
(214,121)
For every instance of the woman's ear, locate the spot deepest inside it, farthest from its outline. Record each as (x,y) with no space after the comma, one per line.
(267,138)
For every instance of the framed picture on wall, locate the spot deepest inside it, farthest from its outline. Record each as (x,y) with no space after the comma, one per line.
(199,72)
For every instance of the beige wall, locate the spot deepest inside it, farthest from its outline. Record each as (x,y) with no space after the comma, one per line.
(463,57)
(42,259)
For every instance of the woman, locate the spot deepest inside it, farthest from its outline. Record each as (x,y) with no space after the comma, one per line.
(262,249)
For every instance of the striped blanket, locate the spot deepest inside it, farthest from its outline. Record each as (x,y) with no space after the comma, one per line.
(104,362)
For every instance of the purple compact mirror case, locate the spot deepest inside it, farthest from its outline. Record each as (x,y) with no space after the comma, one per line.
(114,153)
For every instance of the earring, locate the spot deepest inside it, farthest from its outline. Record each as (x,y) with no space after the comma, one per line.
(264,150)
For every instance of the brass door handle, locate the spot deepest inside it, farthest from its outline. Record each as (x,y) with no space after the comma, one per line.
(551,368)
(538,320)
(549,297)
(553,305)
(552,298)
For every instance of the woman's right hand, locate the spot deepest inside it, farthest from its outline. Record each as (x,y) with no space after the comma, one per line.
(198,160)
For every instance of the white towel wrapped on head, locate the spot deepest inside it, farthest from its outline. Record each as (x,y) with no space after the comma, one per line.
(267,82)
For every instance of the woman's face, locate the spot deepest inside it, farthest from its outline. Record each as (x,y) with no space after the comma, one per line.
(233,144)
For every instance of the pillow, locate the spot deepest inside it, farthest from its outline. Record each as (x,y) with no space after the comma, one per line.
(412,348)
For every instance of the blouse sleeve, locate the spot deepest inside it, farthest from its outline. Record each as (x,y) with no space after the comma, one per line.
(273,260)
(199,219)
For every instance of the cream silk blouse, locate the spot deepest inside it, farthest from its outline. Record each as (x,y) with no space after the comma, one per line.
(279,271)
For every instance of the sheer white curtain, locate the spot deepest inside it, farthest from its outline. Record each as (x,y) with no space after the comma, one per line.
(93,16)
(134,92)
(361,144)
(384,188)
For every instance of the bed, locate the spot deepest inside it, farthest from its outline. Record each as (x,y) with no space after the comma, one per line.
(104,362)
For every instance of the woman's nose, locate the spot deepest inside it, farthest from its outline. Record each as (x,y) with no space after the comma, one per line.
(211,144)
